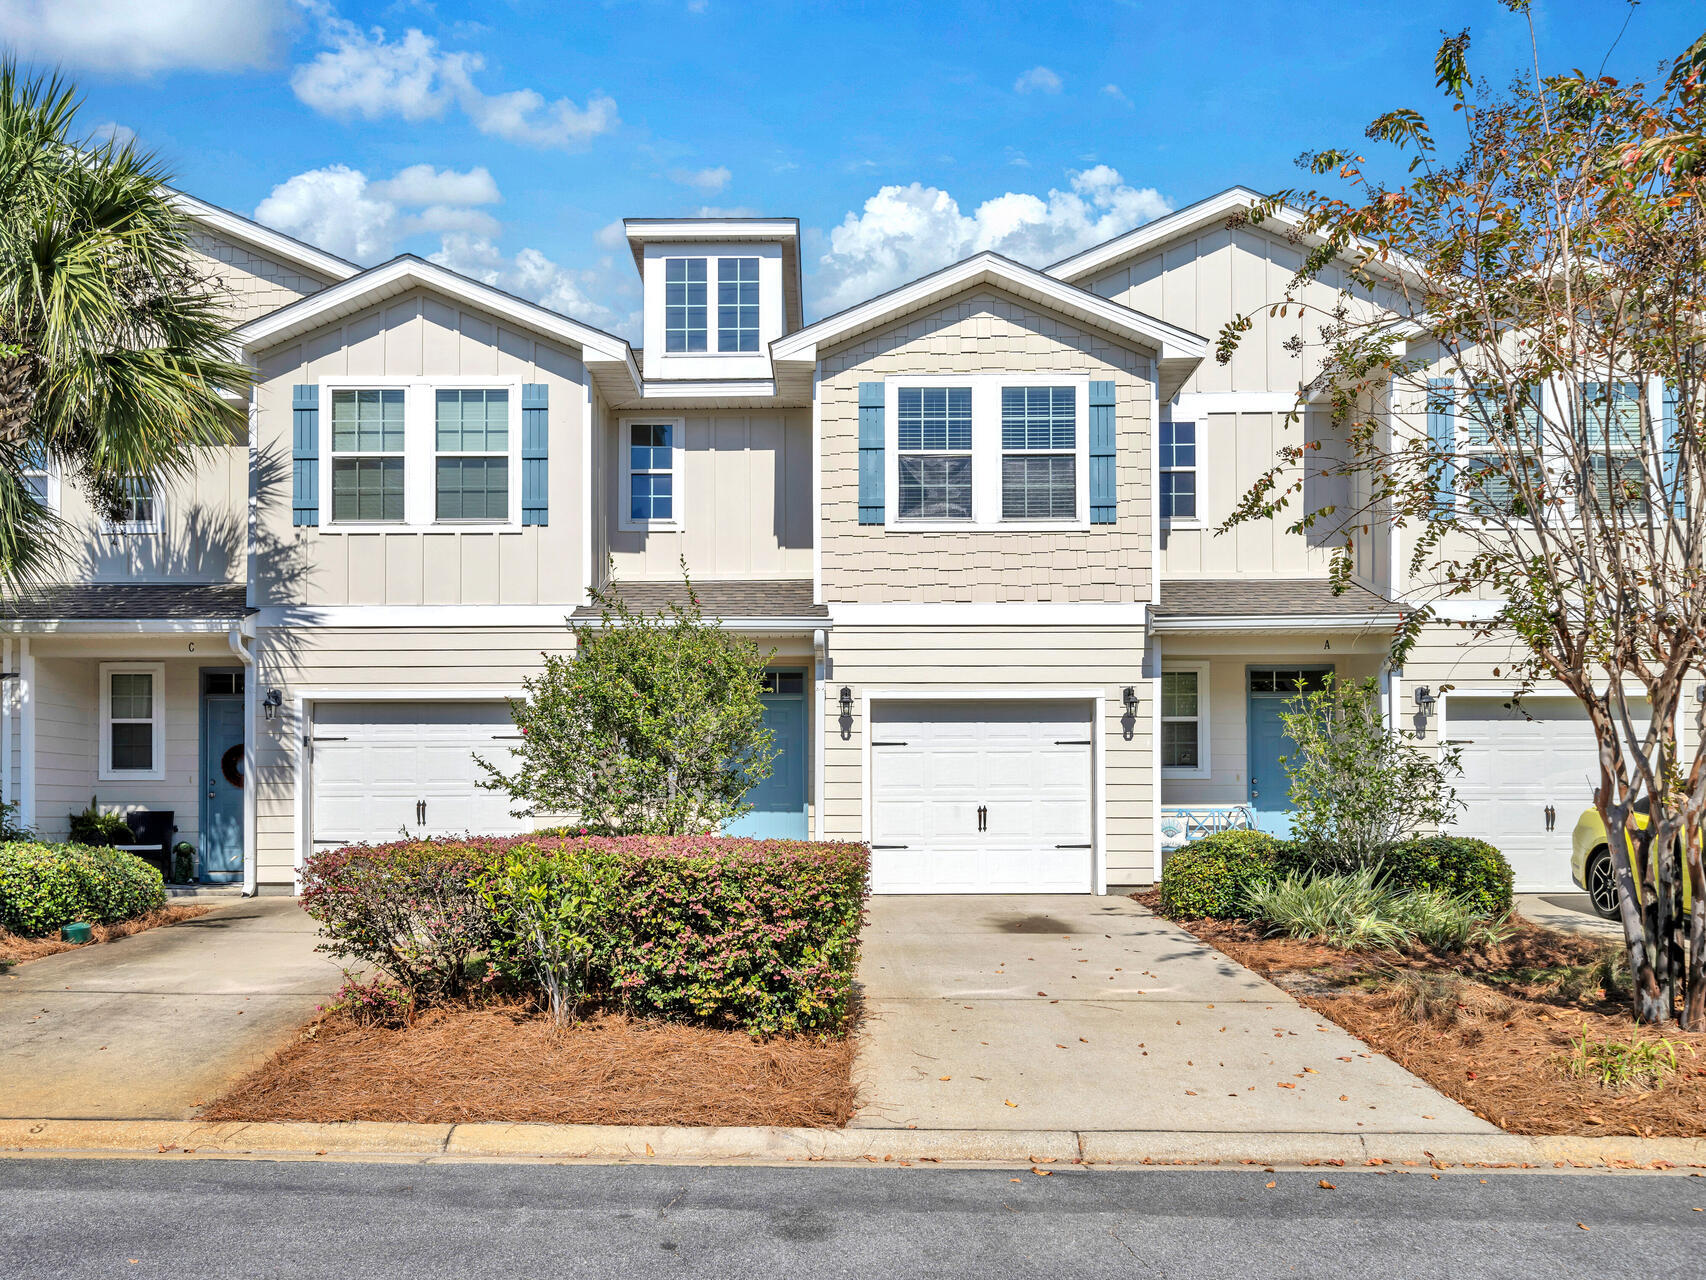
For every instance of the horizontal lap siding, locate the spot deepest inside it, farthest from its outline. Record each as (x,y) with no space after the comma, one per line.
(996,660)
(984,332)
(363,662)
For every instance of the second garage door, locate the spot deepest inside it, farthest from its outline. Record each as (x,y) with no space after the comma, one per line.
(1515,764)
(401,770)
(981,797)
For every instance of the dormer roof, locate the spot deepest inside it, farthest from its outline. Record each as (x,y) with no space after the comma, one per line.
(690,231)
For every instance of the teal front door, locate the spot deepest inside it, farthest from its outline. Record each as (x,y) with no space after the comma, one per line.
(1270,690)
(221,845)
(779,802)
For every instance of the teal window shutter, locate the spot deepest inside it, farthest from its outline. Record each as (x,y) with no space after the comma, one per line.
(1103,504)
(535,431)
(305,454)
(871,478)
(1442,442)
(1676,484)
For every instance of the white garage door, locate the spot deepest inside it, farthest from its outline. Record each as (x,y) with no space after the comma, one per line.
(396,770)
(980,797)
(1515,764)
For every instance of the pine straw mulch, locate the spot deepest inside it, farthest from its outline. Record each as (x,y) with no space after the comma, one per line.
(1495,1030)
(509,1062)
(18,950)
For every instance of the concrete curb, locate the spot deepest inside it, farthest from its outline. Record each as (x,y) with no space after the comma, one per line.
(614,1143)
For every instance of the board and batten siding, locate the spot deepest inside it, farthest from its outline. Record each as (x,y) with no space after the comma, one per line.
(984,331)
(746,495)
(990,661)
(436,663)
(420,335)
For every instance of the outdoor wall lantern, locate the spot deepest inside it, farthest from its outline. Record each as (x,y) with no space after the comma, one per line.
(1424,699)
(272,702)
(1128,699)
(846,702)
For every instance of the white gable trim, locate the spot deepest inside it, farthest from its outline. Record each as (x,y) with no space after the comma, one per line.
(274,243)
(1169,341)
(405,273)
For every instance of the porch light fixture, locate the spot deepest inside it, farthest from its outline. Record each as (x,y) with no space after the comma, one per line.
(272,702)
(846,702)
(1424,699)
(1128,699)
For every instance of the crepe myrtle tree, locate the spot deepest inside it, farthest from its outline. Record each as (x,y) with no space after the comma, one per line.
(654,725)
(1513,359)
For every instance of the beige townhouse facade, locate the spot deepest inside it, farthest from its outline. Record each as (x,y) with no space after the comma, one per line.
(975,520)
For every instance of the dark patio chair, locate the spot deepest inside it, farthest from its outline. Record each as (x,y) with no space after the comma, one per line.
(153,829)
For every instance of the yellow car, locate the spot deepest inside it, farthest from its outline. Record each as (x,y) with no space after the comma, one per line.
(1590,861)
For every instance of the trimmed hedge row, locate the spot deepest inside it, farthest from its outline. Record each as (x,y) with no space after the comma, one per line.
(46,886)
(760,934)
(1213,876)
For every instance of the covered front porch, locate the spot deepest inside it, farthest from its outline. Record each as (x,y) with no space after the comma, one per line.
(1231,654)
(133,699)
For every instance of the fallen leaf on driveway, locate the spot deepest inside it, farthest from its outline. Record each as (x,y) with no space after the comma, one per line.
(1584,1226)
(1190,1093)
(1344,1097)
(1010,1102)
(1043,1173)
(944,1077)
(1272,1185)
(1326,1186)
(1285,1084)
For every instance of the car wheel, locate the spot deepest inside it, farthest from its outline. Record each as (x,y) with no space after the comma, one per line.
(1602,884)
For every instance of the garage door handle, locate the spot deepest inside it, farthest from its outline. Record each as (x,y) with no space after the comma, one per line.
(875,743)
(1072,846)
(891,846)
(1074,742)
(321,738)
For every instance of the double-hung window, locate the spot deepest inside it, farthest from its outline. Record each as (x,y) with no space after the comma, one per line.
(132,720)
(685,305)
(737,304)
(934,453)
(37,477)
(1184,721)
(1178,471)
(650,452)
(471,479)
(367,456)
(1490,480)
(1611,419)
(1039,458)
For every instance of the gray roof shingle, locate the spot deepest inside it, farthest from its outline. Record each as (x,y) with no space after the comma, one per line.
(755,598)
(124,601)
(1270,598)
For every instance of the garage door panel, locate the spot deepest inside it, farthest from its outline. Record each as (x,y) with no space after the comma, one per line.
(1003,758)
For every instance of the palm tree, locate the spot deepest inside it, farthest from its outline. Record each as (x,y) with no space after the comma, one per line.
(116,358)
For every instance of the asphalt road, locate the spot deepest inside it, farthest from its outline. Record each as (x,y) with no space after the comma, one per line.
(265,1219)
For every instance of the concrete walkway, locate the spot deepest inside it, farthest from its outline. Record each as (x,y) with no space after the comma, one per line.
(152,1026)
(1567,913)
(1087,1013)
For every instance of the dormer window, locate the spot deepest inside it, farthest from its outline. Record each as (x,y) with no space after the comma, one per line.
(737,304)
(685,304)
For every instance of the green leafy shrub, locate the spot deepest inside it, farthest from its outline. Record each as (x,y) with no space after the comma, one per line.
(372,1002)
(94,828)
(760,934)
(1212,876)
(1361,910)
(1458,865)
(46,886)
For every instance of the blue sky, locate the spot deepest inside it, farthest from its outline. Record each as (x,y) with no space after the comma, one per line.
(507,139)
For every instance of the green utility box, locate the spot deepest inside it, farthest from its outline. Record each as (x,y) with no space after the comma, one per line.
(78,933)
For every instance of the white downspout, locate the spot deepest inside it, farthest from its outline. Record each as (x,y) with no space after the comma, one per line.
(7,790)
(240,638)
(820,726)
(26,734)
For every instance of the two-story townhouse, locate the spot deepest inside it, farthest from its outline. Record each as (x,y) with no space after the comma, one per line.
(973,518)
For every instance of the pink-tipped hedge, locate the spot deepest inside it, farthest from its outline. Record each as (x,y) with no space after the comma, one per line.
(760,934)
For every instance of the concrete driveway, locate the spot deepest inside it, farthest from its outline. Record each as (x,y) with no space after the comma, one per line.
(1087,1013)
(152,1026)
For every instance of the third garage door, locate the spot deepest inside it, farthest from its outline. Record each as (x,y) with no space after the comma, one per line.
(981,797)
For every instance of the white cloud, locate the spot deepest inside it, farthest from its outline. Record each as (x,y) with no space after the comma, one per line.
(710,181)
(530,274)
(332,208)
(422,184)
(444,219)
(1117,94)
(145,37)
(365,74)
(613,234)
(905,232)
(112,131)
(1037,80)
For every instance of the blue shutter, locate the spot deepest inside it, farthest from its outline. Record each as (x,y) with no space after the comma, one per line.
(871,478)
(1442,443)
(305,454)
(1103,504)
(535,430)
(1676,484)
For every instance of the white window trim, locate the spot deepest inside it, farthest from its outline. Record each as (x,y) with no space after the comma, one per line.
(1205,766)
(420,452)
(1197,470)
(986,451)
(105,772)
(713,339)
(710,302)
(131,528)
(50,474)
(678,470)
